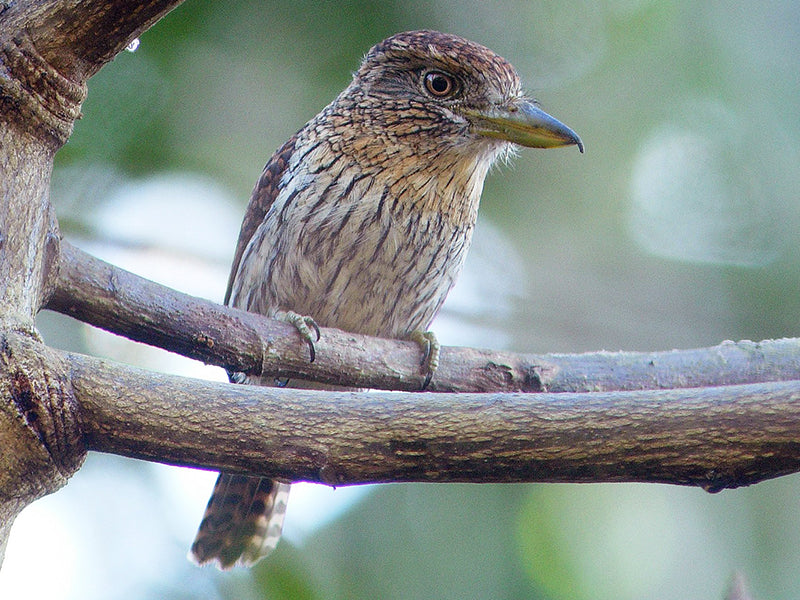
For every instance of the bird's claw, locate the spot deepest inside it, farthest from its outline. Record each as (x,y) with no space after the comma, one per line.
(430,347)
(304,326)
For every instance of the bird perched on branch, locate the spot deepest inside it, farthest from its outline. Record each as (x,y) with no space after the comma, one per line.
(362,221)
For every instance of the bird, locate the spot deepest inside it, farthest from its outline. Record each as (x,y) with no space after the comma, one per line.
(362,221)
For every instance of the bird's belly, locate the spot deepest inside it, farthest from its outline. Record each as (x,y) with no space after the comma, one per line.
(384,277)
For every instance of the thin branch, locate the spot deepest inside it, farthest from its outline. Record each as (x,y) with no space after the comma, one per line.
(114,299)
(713,437)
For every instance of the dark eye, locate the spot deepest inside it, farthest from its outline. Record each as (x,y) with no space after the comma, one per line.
(440,84)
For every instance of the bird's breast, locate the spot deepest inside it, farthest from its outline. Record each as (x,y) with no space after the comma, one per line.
(360,252)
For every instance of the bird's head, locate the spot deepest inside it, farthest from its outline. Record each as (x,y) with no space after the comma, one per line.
(430,88)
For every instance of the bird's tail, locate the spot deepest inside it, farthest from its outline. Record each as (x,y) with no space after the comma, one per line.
(242,522)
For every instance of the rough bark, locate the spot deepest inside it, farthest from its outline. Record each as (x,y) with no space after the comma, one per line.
(28,257)
(715,437)
(48,49)
(106,296)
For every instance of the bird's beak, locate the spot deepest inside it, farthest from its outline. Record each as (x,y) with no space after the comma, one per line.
(523,123)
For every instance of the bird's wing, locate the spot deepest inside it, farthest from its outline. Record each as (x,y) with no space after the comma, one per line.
(263,196)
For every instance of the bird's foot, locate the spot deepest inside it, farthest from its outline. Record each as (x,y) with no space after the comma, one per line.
(430,352)
(306,327)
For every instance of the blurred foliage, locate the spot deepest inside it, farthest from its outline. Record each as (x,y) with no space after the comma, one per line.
(678,228)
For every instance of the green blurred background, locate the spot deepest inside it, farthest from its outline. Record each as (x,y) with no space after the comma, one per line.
(677,228)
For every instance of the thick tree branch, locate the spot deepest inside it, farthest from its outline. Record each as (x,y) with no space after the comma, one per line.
(34,430)
(713,437)
(48,49)
(77,37)
(119,301)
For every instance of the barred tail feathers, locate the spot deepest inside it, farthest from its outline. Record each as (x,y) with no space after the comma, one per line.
(242,522)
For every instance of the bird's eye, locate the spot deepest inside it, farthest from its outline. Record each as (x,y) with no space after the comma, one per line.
(440,84)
